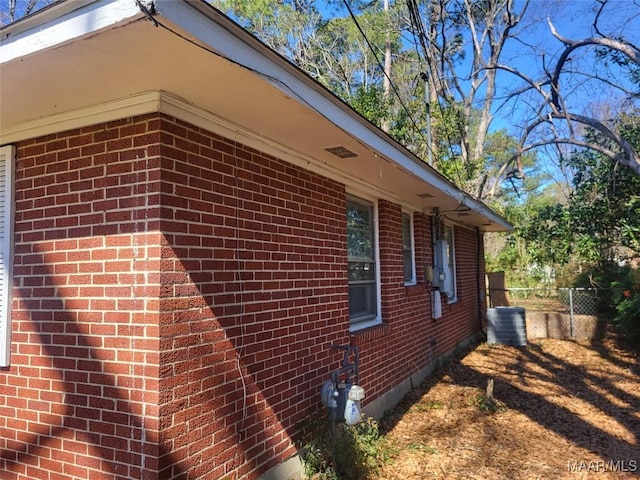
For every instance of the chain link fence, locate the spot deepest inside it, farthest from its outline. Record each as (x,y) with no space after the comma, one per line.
(569,313)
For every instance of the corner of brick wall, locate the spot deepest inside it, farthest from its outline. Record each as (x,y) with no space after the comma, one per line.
(175,297)
(253,294)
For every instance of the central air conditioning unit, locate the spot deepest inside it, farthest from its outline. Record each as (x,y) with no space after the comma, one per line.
(507,326)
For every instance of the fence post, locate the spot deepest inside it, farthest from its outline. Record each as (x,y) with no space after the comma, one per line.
(571,318)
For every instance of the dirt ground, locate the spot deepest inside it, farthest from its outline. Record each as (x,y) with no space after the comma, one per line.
(560,410)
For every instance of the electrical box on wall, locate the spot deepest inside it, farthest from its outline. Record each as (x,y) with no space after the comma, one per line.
(441,253)
(442,276)
(440,258)
(435,282)
(436,305)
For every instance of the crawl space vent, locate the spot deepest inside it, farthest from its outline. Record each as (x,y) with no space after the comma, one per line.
(341,152)
(506,326)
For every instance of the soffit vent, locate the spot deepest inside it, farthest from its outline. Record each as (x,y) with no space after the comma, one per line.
(425,195)
(341,152)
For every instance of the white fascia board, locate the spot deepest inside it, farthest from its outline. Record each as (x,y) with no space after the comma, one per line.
(56,26)
(214,31)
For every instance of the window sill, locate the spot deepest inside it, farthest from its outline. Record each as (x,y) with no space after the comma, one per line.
(364,325)
(358,337)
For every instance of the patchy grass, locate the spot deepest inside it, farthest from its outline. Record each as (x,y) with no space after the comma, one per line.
(557,410)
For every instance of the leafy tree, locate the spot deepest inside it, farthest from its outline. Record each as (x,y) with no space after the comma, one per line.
(370,103)
(599,224)
(528,262)
(288,27)
(611,194)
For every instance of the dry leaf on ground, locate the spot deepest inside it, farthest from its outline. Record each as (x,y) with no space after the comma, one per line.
(560,410)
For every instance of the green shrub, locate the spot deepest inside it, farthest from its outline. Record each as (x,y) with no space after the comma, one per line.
(621,304)
(627,316)
(346,453)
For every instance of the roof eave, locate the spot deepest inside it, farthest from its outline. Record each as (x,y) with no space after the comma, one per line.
(204,25)
(61,22)
(259,57)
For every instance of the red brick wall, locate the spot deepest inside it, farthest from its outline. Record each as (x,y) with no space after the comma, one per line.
(175,297)
(80,399)
(410,339)
(254,291)
(462,318)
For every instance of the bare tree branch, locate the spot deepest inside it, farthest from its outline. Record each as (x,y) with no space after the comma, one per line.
(629,156)
(552,141)
(554,101)
(628,49)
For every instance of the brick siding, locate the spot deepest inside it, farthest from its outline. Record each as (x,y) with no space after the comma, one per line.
(175,294)
(410,339)
(254,271)
(81,396)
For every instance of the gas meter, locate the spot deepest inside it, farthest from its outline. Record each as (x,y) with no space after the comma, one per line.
(341,394)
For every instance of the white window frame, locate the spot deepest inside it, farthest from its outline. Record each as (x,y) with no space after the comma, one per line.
(356,324)
(450,284)
(7,208)
(412,280)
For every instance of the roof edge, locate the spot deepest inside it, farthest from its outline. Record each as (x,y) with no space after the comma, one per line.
(41,16)
(241,47)
(62,22)
(206,26)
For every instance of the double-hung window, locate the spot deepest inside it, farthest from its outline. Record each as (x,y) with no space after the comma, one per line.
(409,264)
(7,159)
(361,251)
